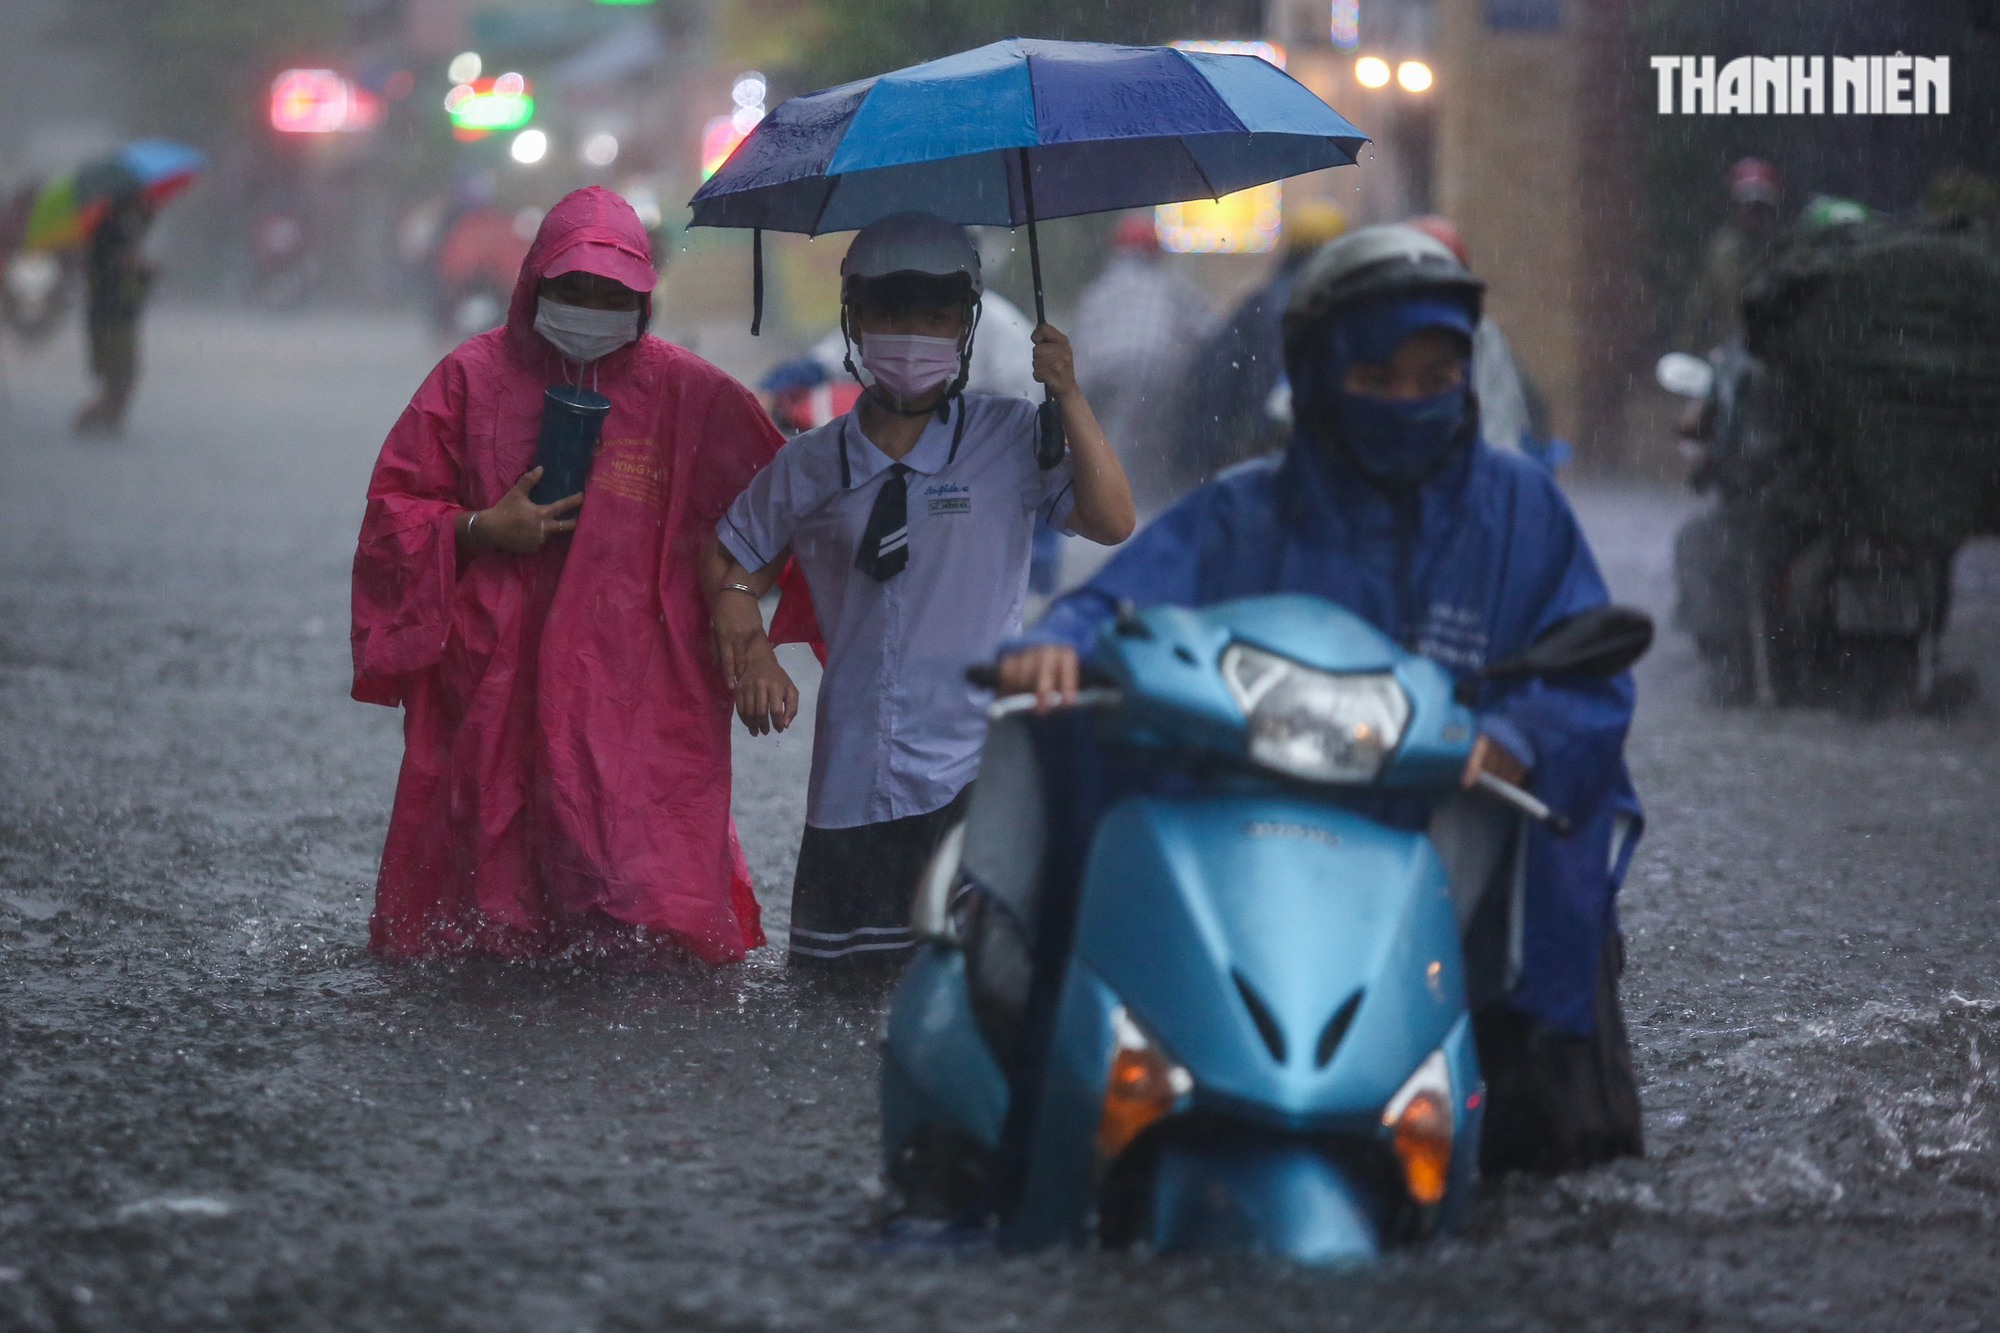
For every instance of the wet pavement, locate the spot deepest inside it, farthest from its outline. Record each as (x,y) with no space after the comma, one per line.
(217,1111)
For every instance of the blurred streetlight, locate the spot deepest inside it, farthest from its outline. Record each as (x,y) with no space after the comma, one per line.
(464,67)
(529,147)
(1414,75)
(310,101)
(1371,72)
(481,107)
(601,150)
(1344,24)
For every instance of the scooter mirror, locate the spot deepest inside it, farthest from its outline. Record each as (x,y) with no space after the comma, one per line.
(1599,642)
(1684,376)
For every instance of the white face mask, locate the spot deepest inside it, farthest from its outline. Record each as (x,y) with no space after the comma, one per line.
(908,366)
(583,334)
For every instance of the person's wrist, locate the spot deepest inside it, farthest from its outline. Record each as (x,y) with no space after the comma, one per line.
(738,616)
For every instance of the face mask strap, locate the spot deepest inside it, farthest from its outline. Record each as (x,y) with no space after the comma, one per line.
(972,314)
(847,347)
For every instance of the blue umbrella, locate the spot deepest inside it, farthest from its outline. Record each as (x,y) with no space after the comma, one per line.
(161,165)
(1021,130)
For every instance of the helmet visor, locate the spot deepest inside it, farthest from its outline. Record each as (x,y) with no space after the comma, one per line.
(900,293)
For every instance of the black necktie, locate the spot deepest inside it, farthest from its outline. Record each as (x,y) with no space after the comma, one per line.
(885,543)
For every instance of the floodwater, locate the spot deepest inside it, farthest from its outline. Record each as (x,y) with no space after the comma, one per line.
(217,1111)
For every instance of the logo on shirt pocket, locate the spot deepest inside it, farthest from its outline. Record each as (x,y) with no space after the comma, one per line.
(947,497)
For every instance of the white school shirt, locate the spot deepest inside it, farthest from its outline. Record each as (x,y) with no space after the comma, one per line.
(899,730)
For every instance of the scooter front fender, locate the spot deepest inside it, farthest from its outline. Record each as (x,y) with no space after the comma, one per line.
(936,1068)
(1284,1199)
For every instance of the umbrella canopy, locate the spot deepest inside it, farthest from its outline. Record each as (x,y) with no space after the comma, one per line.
(161,167)
(70,207)
(1025,129)
(55,222)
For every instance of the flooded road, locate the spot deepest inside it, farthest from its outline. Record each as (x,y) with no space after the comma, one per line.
(217,1111)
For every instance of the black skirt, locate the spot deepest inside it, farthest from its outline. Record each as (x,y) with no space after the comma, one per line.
(852,891)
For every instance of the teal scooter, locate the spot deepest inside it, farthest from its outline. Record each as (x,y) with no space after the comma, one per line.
(1197,970)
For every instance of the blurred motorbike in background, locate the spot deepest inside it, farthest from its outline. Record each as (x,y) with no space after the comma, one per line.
(474,269)
(37,292)
(37,285)
(281,260)
(1848,446)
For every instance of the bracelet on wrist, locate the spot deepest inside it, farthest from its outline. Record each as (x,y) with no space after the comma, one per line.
(740,587)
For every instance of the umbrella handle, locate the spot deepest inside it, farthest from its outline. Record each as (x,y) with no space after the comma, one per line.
(1051,440)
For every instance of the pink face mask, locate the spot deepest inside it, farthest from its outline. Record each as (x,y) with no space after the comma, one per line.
(908,367)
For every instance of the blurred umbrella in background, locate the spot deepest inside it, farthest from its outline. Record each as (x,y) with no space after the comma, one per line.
(70,207)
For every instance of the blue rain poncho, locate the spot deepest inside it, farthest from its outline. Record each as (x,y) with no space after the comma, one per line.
(1467,569)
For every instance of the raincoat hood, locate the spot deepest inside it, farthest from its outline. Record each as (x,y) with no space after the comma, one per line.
(593,216)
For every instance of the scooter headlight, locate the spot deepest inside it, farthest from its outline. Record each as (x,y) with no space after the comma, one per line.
(1316,724)
(1418,1119)
(1144,1086)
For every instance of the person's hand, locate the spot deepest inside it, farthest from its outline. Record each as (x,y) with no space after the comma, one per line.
(1489,756)
(738,628)
(1047,671)
(766,699)
(518,524)
(1055,362)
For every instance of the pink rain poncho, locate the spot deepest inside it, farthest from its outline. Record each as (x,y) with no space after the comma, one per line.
(565,778)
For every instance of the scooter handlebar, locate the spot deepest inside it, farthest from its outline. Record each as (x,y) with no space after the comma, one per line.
(1009,704)
(986,676)
(1556,821)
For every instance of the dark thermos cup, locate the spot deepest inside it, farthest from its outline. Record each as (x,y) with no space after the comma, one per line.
(572,423)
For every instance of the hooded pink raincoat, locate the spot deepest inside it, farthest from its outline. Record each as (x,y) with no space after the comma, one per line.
(565,776)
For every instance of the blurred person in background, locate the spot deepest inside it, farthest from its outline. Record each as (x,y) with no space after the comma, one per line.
(1713,314)
(117,280)
(474,268)
(1227,411)
(1512,415)
(1959,199)
(566,769)
(1138,324)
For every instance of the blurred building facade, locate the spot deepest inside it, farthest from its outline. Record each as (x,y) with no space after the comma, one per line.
(1538,163)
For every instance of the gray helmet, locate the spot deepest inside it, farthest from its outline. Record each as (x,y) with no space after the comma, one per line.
(919,245)
(1392,260)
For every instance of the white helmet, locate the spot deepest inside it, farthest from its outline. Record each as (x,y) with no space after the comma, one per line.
(1391,259)
(919,245)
